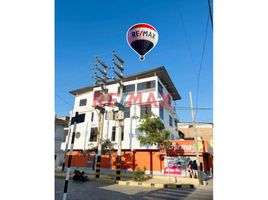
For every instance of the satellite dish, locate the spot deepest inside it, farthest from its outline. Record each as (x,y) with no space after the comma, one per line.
(142,38)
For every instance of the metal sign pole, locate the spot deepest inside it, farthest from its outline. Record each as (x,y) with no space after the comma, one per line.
(77,119)
(69,162)
(67,143)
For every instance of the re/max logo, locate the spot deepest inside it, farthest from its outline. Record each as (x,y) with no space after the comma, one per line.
(143,33)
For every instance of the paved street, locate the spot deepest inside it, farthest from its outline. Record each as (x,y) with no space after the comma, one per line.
(96,191)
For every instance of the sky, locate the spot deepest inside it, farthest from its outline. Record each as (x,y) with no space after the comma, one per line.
(86,29)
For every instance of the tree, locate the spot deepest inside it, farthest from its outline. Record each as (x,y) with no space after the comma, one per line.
(155,132)
(107,147)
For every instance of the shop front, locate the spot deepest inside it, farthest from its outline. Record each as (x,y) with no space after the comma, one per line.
(152,161)
(184,151)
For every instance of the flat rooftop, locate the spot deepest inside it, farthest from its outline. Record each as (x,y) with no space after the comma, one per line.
(161,72)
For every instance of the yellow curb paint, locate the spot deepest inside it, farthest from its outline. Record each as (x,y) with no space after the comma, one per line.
(122,183)
(141,184)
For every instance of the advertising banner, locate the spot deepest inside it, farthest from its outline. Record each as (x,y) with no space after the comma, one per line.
(172,165)
(176,165)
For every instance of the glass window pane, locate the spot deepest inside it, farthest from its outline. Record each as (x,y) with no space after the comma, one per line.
(83,102)
(93,135)
(127,112)
(161,112)
(129,88)
(145,109)
(170,121)
(146,85)
(160,88)
(122,135)
(113,133)
(92,116)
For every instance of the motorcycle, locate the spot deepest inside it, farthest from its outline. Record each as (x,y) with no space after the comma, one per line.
(79,176)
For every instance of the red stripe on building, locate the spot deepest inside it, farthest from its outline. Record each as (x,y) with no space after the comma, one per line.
(143,26)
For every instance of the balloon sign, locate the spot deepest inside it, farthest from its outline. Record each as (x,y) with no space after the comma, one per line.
(142,38)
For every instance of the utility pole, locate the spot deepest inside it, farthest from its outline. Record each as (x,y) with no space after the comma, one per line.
(99,139)
(102,81)
(120,113)
(196,142)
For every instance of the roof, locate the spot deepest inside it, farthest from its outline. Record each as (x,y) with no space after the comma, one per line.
(161,72)
(61,122)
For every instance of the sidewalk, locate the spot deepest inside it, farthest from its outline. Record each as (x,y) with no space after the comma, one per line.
(156,181)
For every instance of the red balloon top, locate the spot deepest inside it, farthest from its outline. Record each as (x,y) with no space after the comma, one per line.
(143,26)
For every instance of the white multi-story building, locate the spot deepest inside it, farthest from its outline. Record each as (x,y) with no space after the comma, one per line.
(61,123)
(141,94)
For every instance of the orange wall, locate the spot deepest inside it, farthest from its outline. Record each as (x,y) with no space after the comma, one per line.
(151,160)
(141,160)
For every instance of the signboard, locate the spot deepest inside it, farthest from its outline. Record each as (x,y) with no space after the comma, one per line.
(78,118)
(188,146)
(177,165)
(172,165)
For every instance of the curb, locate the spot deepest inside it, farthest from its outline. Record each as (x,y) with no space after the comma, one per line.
(101,180)
(156,185)
(131,183)
(173,186)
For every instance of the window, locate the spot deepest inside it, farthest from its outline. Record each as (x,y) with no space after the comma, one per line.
(169,100)
(181,134)
(160,88)
(93,134)
(122,135)
(129,88)
(92,116)
(126,112)
(170,121)
(161,112)
(145,109)
(146,85)
(83,102)
(113,133)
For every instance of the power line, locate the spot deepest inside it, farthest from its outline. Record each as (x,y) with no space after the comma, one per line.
(210,13)
(187,40)
(200,66)
(191,55)
(63,100)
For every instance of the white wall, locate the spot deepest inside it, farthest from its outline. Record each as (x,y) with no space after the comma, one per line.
(130,133)
(60,136)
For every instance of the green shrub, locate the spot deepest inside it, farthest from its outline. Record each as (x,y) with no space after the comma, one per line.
(139,175)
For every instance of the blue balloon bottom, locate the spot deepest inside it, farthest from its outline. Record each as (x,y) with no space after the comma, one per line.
(142,46)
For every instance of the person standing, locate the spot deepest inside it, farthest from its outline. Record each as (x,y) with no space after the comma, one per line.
(195,169)
(190,169)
